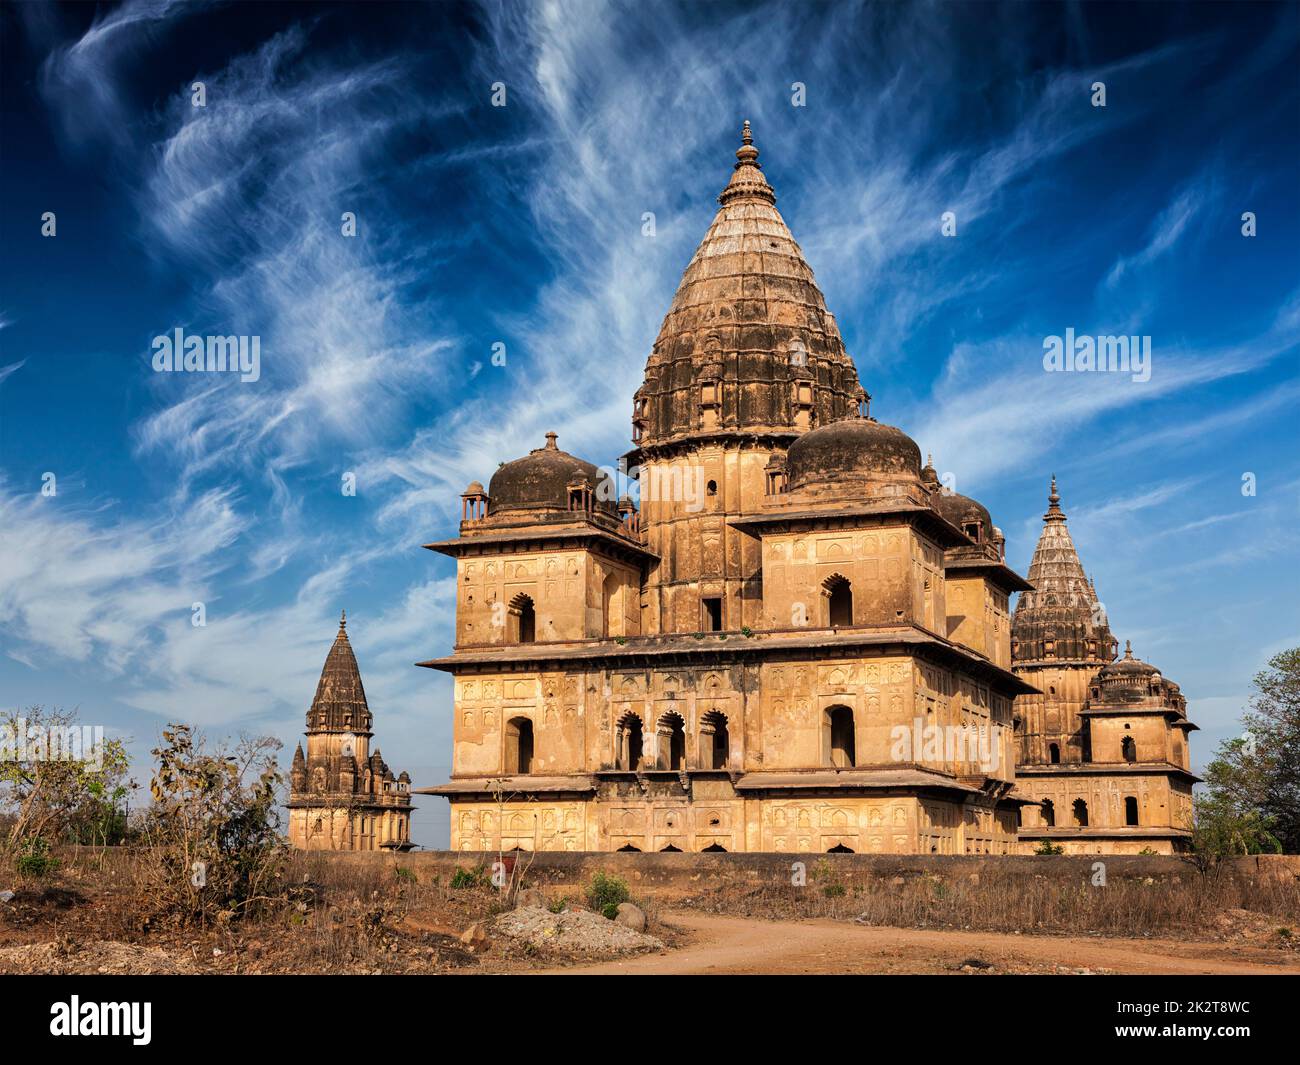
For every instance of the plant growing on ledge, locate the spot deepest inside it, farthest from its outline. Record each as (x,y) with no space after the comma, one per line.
(1048,847)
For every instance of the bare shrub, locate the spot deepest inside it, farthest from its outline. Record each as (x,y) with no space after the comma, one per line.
(212,845)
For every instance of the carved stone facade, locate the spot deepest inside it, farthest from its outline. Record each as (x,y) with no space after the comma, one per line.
(1103,751)
(797,643)
(341,796)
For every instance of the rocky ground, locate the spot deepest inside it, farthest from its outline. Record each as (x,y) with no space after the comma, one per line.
(383,920)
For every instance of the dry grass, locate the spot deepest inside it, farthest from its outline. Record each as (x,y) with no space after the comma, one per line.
(371,916)
(996,902)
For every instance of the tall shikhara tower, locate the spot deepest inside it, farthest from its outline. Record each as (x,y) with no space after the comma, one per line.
(341,796)
(1103,750)
(748,358)
(780,650)
(1060,638)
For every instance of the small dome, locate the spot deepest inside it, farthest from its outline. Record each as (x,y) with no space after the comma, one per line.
(855,449)
(960,510)
(475,489)
(540,481)
(1128,667)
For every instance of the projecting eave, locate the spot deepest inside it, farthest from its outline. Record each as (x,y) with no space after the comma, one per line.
(540,536)
(791,644)
(761,436)
(507,786)
(1113,769)
(944,533)
(1175,716)
(998,572)
(852,779)
(1114,832)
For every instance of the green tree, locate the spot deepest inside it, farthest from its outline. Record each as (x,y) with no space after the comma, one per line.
(1253,784)
(46,795)
(1222,831)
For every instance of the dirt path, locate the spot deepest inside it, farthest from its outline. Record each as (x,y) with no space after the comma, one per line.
(744,946)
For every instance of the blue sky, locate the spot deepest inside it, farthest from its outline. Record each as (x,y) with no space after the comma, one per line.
(522,225)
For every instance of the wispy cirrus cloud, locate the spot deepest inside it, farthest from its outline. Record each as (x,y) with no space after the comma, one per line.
(79,582)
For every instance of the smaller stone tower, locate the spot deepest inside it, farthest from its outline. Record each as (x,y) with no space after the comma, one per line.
(341,796)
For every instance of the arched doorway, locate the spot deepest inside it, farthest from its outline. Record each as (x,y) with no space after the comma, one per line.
(839,746)
(671,732)
(627,736)
(519,745)
(1130,810)
(1080,813)
(1129,749)
(839,601)
(715,741)
(522,619)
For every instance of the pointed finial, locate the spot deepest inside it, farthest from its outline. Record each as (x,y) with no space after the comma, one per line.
(1054,512)
(747,180)
(929,458)
(1128,648)
(550,442)
(343,620)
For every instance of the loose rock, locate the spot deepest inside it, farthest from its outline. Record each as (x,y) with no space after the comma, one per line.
(630,916)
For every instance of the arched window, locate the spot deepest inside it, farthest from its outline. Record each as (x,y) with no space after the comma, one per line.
(670,849)
(839,742)
(715,742)
(672,741)
(839,848)
(519,745)
(1080,813)
(1130,810)
(715,848)
(1049,813)
(1129,749)
(521,620)
(839,601)
(1054,754)
(629,847)
(628,738)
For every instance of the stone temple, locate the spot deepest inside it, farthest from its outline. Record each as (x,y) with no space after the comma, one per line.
(1104,752)
(341,795)
(799,642)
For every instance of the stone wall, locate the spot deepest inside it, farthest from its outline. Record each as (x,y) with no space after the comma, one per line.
(669,875)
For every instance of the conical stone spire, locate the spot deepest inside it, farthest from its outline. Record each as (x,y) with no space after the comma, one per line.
(340,702)
(746,326)
(1061,619)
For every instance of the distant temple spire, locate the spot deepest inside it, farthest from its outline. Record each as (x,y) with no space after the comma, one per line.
(1058,618)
